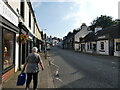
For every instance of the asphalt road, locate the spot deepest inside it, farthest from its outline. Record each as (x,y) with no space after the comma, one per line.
(79,70)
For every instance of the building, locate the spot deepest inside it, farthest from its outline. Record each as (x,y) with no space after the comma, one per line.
(105,40)
(81,34)
(102,41)
(69,40)
(16,18)
(8,36)
(88,43)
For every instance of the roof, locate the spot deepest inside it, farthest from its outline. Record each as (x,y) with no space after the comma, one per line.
(89,37)
(113,31)
(109,32)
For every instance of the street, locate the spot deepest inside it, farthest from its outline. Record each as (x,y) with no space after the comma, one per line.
(71,69)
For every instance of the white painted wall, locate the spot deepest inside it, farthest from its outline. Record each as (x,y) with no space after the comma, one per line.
(116,53)
(14,4)
(106,47)
(90,50)
(76,45)
(17,56)
(82,33)
(84,50)
(6,12)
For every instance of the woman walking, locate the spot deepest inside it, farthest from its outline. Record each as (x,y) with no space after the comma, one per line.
(32,68)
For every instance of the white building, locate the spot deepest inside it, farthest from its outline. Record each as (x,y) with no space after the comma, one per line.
(81,34)
(103,41)
(16,18)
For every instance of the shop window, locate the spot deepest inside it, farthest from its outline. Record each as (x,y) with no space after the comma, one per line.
(117,46)
(102,45)
(8,47)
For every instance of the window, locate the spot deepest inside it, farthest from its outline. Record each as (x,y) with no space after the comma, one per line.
(117,46)
(102,45)
(29,19)
(90,45)
(34,27)
(94,46)
(22,6)
(8,47)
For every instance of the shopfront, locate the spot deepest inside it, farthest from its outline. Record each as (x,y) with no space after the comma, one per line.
(30,42)
(23,47)
(0,57)
(8,47)
(8,31)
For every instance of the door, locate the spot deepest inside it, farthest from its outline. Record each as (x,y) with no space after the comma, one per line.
(111,47)
(23,53)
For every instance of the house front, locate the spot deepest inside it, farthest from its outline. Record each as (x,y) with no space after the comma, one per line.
(103,47)
(88,43)
(8,41)
(117,41)
(106,40)
(117,47)
(81,34)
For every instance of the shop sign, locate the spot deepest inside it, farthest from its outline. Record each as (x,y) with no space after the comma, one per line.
(8,14)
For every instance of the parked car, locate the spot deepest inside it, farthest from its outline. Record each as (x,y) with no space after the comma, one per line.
(48,47)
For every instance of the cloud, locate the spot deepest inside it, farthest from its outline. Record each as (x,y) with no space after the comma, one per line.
(87,10)
(36,4)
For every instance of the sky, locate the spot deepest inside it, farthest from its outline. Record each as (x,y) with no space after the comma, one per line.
(58,17)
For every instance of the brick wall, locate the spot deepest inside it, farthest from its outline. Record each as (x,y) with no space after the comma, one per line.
(7,74)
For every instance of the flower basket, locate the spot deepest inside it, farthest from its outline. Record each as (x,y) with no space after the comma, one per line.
(23,38)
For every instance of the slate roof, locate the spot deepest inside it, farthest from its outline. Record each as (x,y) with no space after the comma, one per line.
(89,37)
(111,32)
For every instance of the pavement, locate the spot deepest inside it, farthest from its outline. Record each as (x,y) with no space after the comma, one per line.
(44,78)
(0,86)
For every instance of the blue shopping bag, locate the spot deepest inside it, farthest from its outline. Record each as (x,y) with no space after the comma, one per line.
(21,79)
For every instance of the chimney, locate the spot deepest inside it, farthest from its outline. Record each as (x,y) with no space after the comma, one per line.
(98,28)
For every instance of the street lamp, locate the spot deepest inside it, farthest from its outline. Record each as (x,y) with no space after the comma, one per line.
(45,45)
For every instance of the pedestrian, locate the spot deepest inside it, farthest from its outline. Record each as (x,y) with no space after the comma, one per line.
(32,69)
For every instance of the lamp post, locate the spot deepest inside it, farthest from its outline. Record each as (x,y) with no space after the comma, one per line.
(45,45)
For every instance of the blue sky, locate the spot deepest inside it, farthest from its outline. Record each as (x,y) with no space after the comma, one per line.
(61,16)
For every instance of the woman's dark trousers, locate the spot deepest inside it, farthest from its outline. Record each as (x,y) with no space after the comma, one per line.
(29,78)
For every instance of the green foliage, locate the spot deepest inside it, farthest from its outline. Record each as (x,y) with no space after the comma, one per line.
(103,21)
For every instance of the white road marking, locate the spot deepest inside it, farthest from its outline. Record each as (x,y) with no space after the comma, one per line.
(57,73)
(59,79)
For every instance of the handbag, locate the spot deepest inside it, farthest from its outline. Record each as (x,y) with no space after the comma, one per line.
(21,79)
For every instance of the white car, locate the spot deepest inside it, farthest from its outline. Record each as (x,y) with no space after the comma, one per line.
(48,47)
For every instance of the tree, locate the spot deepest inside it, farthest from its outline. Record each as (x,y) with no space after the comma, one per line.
(103,21)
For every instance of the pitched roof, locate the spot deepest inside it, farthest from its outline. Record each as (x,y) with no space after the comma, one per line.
(89,37)
(113,31)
